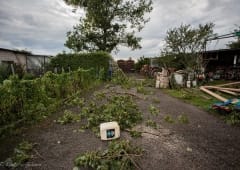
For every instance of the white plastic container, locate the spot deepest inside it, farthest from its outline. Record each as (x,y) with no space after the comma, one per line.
(179,79)
(194,83)
(109,130)
(188,84)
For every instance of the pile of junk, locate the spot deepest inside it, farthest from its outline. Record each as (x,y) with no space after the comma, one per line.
(225,105)
(169,78)
(182,78)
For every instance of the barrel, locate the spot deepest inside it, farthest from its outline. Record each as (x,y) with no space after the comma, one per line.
(194,83)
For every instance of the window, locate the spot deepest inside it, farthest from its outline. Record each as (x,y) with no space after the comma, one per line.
(8,63)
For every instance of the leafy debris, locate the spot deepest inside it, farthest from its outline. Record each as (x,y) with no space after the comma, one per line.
(119,155)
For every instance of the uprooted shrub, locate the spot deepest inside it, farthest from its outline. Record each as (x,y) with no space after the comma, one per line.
(118,155)
(119,108)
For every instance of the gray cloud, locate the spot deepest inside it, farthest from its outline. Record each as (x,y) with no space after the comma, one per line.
(172,13)
(41,26)
(35,25)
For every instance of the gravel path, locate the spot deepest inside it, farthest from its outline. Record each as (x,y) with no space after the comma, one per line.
(204,143)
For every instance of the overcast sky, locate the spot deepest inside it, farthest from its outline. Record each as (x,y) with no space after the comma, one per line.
(40,26)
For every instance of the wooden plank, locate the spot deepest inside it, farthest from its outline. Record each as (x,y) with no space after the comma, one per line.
(229,92)
(203,88)
(223,88)
(228,84)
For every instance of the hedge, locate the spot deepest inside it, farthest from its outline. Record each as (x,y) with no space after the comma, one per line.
(95,60)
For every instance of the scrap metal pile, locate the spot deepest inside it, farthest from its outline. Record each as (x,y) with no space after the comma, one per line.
(226,105)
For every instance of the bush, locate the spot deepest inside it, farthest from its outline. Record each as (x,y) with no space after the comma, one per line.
(141,61)
(31,100)
(28,76)
(5,72)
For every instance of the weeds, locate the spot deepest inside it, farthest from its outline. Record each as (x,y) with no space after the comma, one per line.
(233,118)
(141,89)
(99,95)
(22,153)
(119,77)
(169,119)
(151,123)
(183,119)
(68,117)
(135,134)
(76,101)
(153,110)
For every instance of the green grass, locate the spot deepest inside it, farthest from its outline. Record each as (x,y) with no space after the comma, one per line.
(203,101)
(217,82)
(194,97)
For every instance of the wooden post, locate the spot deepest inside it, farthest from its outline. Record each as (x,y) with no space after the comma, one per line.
(12,68)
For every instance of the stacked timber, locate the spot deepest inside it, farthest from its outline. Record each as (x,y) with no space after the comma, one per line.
(129,65)
(121,64)
(221,88)
(226,105)
(126,66)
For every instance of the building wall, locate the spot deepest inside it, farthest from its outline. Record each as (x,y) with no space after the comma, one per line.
(37,61)
(31,63)
(34,62)
(17,58)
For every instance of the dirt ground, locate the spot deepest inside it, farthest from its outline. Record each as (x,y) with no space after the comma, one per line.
(206,142)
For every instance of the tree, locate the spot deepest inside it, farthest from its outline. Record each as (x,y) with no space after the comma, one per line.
(235,44)
(107,24)
(186,42)
(170,60)
(140,62)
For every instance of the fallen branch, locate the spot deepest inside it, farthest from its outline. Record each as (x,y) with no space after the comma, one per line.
(154,134)
(39,155)
(125,93)
(134,163)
